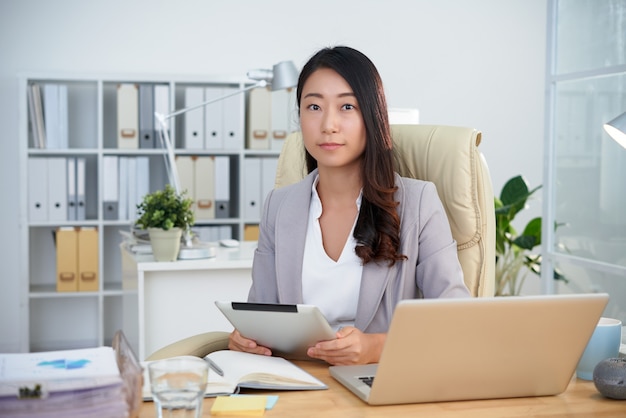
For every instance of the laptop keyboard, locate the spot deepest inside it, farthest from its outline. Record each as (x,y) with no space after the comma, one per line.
(368,380)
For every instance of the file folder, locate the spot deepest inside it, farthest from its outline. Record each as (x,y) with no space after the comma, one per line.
(127,116)
(194,119)
(66,257)
(143,178)
(37,189)
(214,119)
(222,186)
(110,187)
(252,188)
(88,259)
(204,181)
(146,116)
(62,121)
(251,233)
(57,189)
(132,188)
(72,196)
(51,115)
(35,114)
(122,199)
(185,165)
(162,106)
(280,118)
(259,118)
(268,176)
(81,202)
(232,120)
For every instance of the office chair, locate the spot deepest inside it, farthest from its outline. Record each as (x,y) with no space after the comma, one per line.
(449,157)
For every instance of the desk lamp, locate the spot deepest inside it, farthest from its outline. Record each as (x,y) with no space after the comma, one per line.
(283,75)
(616,128)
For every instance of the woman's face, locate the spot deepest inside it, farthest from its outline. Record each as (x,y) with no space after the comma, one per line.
(331,120)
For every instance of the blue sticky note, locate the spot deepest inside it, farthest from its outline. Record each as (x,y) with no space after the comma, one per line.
(269,403)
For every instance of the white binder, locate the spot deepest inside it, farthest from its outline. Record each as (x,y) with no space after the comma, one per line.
(62,121)
(252,189)
(72,195)
(162,106)
(122,208)
(213,119)
(232,120)
(51,115)
(81,199)
(146,116)
(143,177)
(194,119)
(132,188)
(110,187)
(37,189)
(259,118)
(57,189)
(268,176)
(127,116)
(280,118)
(222,186)
(204,181)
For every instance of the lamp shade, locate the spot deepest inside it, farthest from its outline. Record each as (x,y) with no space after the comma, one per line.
(616,128)
(284,75)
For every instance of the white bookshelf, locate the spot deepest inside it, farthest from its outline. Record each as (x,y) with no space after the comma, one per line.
(52,320)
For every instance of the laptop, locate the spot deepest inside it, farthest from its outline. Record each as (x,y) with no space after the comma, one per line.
(477,348)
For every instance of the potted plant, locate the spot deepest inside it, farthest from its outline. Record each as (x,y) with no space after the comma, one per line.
(514,257)
(165,214)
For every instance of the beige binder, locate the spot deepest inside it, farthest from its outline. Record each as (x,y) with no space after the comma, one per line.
(67,264)
(127,115)
(259,119)
(88,259)
(205,188)
(251,233)
(185,165)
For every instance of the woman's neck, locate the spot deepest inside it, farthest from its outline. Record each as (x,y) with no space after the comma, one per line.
(338,185)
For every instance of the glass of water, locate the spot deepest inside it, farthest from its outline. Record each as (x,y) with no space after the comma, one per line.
(178,385)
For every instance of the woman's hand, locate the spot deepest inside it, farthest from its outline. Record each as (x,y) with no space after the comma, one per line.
(237,342)
(350,347)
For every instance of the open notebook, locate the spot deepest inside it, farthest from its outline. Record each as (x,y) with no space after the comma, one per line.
(251,371)
(478,348)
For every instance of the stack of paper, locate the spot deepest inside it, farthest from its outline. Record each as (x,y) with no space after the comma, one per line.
(70,383)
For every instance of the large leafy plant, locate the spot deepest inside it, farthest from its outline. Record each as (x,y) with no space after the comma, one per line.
(165,209)
(514,256)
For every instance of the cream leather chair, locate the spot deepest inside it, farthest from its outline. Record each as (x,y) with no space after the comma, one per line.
(445,155)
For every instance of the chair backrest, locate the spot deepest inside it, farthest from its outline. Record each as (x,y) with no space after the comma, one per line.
(449,157)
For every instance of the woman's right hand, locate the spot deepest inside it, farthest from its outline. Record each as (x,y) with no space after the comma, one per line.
(237,342)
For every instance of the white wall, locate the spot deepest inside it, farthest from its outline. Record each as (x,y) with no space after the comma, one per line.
(475,63)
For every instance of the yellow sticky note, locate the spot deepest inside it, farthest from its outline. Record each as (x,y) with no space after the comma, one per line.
(239,405)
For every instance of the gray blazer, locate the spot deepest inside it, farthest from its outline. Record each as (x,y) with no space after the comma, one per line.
(432,269)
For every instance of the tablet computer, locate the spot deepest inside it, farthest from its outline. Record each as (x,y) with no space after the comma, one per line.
(288,330)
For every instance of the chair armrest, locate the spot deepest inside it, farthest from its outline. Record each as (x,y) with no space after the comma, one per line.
(198,345)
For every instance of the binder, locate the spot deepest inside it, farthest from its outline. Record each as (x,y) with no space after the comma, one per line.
(132,188)
(162,106)
(232,120)
(72,201)
(194,119)
(110,187)
(251,233)
(251,188)
(37,189)
(127,116)
(122,199)
(185,165)
(35,114)
(88,259)
(280,118)
(81,202)
(213,119)
(51,115)
(204,181)
(146,116)
(222,186)
(259,118)
(143,177)
(62,117)
(66,257)
(57,189)
(268,176)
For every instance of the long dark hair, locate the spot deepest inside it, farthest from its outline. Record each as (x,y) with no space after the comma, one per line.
(377,230)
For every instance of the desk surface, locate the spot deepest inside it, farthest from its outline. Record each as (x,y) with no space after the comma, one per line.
(581,399)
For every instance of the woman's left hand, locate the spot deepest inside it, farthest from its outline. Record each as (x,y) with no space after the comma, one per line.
(350,347)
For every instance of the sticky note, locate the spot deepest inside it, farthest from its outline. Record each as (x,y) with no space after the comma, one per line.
(239,405)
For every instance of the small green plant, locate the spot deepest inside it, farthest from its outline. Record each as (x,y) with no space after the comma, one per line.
(513,250)
(165,209)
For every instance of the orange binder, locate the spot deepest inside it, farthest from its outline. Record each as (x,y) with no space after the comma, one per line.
(67,265)
(88,259)
(251,233)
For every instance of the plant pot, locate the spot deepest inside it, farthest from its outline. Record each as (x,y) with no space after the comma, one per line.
(165,244)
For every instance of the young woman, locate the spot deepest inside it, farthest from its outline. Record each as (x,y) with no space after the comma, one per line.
(353,237)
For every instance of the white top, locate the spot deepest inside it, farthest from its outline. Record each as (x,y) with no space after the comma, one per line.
(332,286)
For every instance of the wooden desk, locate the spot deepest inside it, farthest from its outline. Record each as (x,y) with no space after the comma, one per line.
(581,399)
